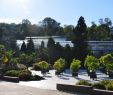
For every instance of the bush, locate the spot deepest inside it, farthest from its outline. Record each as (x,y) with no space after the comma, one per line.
(83,82)
(98,86)
(109,86)
(36,66)
(105,82)
(75,65)
(24,75)
(21,67)
(12,73)
(36,77)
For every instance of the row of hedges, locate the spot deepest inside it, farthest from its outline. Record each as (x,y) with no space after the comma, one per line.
(24,75)
(82,89)
(103,85)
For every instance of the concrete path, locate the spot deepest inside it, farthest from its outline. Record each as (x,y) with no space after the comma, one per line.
(51,80)
(7,88)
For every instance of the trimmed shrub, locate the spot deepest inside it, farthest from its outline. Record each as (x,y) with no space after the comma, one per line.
(109,86)
(36,67)
(24,75)
(105,82)
(36,77)
(21,67)
(83,82)
(12,73)
(98,86)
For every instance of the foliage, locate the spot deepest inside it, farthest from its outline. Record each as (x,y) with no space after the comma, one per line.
(36,66)
(23,47)
(21,67)
(83,82)
(51,27)
(91,63)
(68,31)
(80,40)
(30,46)
(24,75)
(43,65)
(98,86)
(107,61)
(59,64)
(12,73)
(99,33)
(109,86)
(75,65)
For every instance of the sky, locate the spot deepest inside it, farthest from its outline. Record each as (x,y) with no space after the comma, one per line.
(63,11)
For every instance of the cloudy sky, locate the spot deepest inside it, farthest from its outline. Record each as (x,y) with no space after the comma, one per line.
(63,11)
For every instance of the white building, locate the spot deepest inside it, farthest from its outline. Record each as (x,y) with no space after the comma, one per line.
(97,47)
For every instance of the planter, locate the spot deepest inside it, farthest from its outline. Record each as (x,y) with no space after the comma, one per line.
(74,74)
(93,75)
(57,72)
(110,73)
(82,89)
(11,79)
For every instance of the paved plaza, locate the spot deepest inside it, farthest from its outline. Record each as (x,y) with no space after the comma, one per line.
(66,78)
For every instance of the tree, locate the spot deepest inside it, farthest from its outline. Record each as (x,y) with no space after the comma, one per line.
(80,40)
(68,55)
(51,27)
(25,27)
(23,47)
(51,49)
(30,46)
(68,31)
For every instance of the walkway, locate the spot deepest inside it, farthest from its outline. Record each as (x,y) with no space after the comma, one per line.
(7,88)
(51,80)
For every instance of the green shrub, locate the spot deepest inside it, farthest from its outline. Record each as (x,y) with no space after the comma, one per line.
(12,73)
(21,67)
(109,86)
(36,66)
(83,82)
(98,86)
(36,77)
(24,75)
(105,82)
(75,65)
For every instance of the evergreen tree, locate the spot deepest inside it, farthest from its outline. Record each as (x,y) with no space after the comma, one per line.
(51,49)
(80,40)
(30,46)
(68,55)
(23,47)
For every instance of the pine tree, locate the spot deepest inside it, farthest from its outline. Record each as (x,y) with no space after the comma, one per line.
(51,49)
(23,47)
(30,46)
(80,40)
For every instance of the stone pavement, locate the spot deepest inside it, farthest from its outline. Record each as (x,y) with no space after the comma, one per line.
(7,88)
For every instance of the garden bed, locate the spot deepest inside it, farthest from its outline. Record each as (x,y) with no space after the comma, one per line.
(82,89)
(11,79)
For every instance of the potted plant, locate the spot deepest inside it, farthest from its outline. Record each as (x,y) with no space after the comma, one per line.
(74,67)
(44,67)
(92,64)
(107,62)
(59,66)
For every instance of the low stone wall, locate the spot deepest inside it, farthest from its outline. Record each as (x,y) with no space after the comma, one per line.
(82,89)
(10,79)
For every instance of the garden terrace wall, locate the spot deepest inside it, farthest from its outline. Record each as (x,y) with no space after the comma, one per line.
(74,88)
(10,79)
(82,89)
